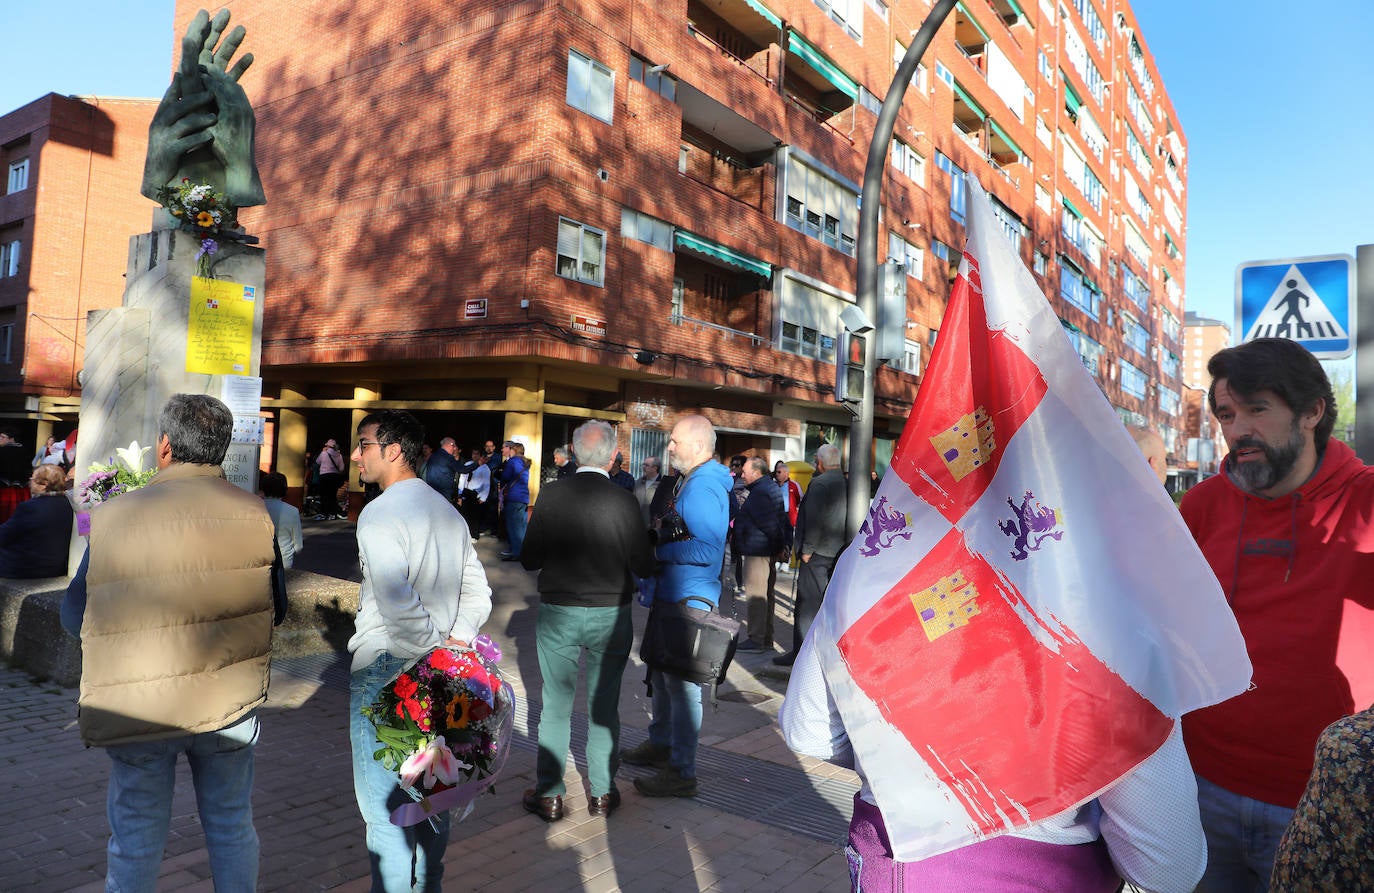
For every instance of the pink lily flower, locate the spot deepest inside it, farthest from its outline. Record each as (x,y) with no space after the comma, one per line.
(434,763)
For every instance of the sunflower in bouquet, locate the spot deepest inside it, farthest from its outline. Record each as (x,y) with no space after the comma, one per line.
(444,726)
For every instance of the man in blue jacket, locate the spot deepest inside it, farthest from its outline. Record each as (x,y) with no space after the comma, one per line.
(691,547)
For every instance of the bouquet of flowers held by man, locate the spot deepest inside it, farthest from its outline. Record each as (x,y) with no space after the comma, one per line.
(445,726)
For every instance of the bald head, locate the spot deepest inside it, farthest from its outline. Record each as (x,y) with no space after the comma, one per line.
(1152,447)
(692,442)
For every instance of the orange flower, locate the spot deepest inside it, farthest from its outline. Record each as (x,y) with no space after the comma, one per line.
(205,218)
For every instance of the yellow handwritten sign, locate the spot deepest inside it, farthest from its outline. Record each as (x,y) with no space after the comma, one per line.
(219,337)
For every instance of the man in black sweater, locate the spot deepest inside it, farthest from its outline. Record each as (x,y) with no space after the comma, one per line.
(588,542)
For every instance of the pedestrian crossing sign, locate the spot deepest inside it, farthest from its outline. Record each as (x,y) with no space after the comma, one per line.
(1308,299)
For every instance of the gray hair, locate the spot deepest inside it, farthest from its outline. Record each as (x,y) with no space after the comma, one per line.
(759,464)
(198,427)
(560,453)
(594,443)
(829,455)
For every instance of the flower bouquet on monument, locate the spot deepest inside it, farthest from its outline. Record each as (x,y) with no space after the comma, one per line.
(200,210)
(445,725)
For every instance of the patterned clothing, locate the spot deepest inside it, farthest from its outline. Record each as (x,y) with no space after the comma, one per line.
(1330,843)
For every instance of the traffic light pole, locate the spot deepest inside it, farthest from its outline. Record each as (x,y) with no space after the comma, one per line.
(861,432)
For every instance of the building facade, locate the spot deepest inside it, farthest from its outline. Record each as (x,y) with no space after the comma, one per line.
(1203,337)
(72,166)
(512,217)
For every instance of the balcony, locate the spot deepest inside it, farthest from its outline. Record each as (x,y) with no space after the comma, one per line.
(746,33)
(724,150)
(719,289)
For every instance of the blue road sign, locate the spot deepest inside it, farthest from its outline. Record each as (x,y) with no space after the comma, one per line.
(1308,299)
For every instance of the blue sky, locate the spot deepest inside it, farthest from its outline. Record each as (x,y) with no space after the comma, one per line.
(1270,96)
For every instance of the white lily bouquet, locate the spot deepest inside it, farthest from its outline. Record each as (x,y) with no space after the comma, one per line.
(122,474)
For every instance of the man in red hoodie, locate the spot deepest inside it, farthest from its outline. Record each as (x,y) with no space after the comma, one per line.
(1288,528)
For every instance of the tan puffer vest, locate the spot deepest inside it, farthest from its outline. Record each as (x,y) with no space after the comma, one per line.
(178,627)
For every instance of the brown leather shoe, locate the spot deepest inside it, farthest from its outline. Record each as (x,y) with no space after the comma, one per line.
(550,809)
(605,804)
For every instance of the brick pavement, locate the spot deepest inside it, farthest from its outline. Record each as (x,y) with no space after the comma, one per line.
(757,825)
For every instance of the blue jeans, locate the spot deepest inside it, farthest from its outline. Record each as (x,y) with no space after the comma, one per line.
(403,859)
(563,633)
(1242,838)
(517,519)
(139,806)
(677,719)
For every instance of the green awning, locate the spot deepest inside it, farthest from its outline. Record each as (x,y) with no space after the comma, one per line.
(827,69)
(1092,286)
(1015,7)
(972,21)
(765,12)
(1170,240)
(702,245)
(1070,326)
(1072,210)
(1002,134)
(1071,99)
(968,100)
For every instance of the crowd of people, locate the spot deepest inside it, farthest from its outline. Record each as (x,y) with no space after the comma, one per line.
(1266,790)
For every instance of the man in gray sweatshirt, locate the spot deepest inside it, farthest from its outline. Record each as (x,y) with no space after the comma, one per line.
(422,587)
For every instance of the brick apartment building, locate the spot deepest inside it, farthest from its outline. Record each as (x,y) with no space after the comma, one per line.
(72,166)
(1202,337)
(510,217)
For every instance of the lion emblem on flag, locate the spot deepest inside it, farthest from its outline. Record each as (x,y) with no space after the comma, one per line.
(1032,523)
(883,527)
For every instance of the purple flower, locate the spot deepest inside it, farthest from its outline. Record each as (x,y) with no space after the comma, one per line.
(207,248)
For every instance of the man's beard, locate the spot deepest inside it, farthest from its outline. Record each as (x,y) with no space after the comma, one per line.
(1255,477)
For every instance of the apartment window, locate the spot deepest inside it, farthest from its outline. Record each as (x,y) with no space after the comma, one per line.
(1046,69)
(1040,264)
(1078,289)
(6,339)
(1135,288)
(1138,111)
(807,342)
(940,250)
(1088,350)
(590,86)
(911,357)
(867,100)
(1168,400)
(1136,336)
(958,201)
(1133,381)
(944,74)
(910,256)
(1168,362)
(1012,226)
(909,161)
(1092,22)
(1136,244)
(9,258)
(879,8)
(19,175)
(848,14)
(1169,325)
(931,337)
(660,82)
(821,206)
(1043,200)
(581,252)
(643,228)
(1093,136)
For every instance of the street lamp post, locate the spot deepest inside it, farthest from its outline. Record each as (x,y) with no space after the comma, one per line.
(861,433)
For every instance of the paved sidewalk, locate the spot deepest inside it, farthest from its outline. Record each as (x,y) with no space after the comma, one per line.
(765,819)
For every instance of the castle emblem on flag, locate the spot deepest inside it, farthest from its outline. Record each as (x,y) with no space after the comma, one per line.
(968,445)
(884,525)
(946,606)
(1031,524)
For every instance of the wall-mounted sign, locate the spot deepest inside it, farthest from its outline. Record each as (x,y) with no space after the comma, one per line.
(588,325)
(475,308)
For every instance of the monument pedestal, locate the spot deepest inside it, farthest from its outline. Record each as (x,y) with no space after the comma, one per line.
(136,354)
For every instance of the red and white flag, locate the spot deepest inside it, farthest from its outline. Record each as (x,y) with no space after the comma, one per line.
(1024,613)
